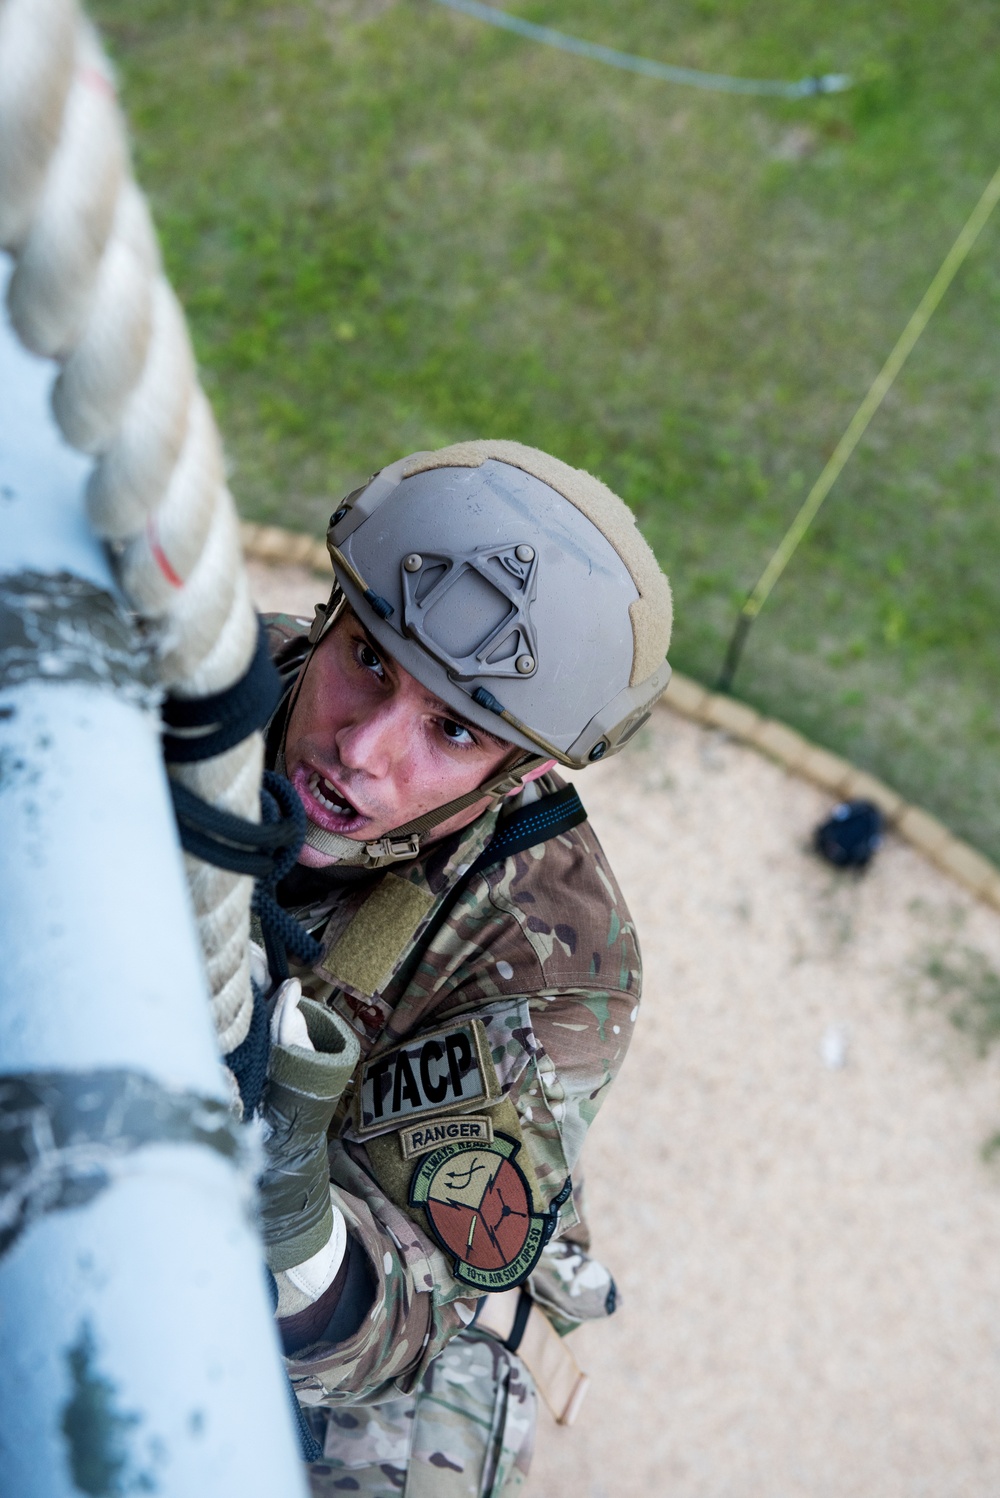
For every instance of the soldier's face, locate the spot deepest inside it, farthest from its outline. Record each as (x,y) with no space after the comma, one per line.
(369,749)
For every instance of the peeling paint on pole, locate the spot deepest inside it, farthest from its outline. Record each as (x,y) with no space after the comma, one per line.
(138,1352)
(63,628)
(98,1434)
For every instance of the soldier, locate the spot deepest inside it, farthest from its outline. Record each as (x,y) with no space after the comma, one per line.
(475,975)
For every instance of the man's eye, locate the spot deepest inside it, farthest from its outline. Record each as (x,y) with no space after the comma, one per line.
(456,732)
(368,658)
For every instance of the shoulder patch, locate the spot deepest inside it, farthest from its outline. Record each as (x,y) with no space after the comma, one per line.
(422,1078)
(479,1207)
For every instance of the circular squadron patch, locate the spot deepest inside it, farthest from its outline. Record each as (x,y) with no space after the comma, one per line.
(478,1205)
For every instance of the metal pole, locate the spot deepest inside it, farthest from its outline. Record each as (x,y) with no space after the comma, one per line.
(137,1349)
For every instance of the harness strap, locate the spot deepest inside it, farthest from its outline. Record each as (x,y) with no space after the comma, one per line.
(513,1318)
(524,828)
(528,825)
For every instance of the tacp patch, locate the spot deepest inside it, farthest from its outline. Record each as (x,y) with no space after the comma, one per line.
(419,1139)
(433,1074)
(478,1205)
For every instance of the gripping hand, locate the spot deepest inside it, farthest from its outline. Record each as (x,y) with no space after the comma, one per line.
(313,1054)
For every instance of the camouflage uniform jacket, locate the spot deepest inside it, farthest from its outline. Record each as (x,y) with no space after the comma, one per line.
(541,950)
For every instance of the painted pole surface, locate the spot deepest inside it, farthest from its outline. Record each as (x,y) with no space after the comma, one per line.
(137,1348)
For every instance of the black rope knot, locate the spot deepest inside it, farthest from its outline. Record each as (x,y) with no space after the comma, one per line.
(281,807)
(266,850)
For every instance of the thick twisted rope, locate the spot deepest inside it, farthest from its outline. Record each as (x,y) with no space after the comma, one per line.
(88,290)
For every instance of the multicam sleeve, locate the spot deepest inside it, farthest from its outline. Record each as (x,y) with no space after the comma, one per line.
(407,1325)
(556,1049)
(581,1038)
(578,1041)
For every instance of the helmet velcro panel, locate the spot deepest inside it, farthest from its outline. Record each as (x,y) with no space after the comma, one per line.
(651,613)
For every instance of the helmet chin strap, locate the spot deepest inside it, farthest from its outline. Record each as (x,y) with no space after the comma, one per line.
(345,850)
(404,843)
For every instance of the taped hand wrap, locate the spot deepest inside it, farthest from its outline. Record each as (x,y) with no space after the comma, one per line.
(303,1089)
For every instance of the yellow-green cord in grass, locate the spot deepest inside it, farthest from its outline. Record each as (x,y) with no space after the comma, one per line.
(858,426)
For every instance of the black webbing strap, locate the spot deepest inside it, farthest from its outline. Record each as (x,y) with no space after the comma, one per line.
(529,825)
(521,1315)
(524,828)
(210,725)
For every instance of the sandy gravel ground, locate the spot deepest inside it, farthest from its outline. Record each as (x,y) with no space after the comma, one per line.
(787,1180)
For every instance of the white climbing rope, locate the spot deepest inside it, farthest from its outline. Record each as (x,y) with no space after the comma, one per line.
(88,290)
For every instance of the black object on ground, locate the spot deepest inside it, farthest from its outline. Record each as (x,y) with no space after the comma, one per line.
(851,834)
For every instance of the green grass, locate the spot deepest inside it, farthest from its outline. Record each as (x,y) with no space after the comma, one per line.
(394,227)
(966,984)
(962,983)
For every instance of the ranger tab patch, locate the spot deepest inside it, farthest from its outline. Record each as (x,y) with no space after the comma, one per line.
(478,1205)
(419,1139)
(432,1074)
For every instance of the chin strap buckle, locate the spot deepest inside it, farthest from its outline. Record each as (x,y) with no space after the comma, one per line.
(321,612)
(394,849)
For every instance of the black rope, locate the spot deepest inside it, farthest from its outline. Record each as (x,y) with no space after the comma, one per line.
(227,841)
(280,807)
(210,725)
(308,1445)
(266,850)
(248,1062)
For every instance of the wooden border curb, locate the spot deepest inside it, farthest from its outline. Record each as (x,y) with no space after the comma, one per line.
(967,866)
(281,548)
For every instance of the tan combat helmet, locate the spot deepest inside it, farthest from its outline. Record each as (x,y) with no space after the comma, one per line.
(515,588)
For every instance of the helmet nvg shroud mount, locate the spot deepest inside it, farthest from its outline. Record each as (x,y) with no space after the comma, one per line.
(519,591)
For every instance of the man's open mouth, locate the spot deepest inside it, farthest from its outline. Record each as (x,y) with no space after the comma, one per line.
(326,805)
(327,795)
